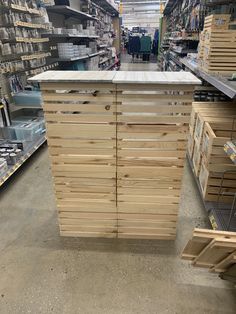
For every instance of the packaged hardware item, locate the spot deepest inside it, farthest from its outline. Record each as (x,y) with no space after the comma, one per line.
(3,166)
(15,83)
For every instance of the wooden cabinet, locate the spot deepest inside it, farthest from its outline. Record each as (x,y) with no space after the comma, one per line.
(117,143)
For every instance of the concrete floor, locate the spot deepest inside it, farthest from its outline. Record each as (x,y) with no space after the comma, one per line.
(40,272)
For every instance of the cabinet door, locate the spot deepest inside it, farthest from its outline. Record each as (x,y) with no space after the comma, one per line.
(81,134)
(152,126)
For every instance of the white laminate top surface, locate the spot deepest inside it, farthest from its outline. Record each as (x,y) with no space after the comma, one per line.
(74,76)
(155,78)
(121,77)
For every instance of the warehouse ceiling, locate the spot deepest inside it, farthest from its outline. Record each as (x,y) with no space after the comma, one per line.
(144,13)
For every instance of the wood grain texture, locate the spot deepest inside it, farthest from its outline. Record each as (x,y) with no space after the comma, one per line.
(211,129)
(117,149)
(218,45)
(132,77)
(215,250)
(151,144)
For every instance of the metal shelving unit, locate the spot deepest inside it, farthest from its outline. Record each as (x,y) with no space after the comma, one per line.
(20,9)
(27,154)
(25,40)
(69,36)
(108,6)
(168,6)
(222,83)
(175,60)
(70,12)
(105,8)
(23,70)
(218,213)
(25,25)
(77,58)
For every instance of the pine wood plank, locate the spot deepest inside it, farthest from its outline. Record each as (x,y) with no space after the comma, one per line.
(152,108)
(79,118)
(72,131)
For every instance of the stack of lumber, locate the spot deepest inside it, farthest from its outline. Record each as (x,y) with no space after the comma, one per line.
(217,49)
(211,126)
(214,250)
(117,143)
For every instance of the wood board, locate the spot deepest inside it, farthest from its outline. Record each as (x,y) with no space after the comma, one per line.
(215,250)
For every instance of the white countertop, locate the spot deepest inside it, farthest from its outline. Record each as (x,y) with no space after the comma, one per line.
(121,77)
(155,78)
(74,76)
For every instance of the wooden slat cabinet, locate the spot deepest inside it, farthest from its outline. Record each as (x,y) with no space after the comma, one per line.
(117,145)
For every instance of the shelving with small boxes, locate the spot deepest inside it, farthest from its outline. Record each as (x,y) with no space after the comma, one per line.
(23,53)
(88,34)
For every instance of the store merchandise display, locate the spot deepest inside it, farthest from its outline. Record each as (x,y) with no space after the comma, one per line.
(5,117)
(183,23)
(208,120)
(176,45)
(3,166)
(21,34)
(9,155)
(217,51)
(21,6)
(205,46)
(76,30)
(108,33)
(209,94)
(23,53)
(16,84)
(109,60)
(18,137)
(93,64)
(69,50)
(92,36)
(25,128)
(210,64)
(16,66)
(211,126)
(119,160)
(22,47)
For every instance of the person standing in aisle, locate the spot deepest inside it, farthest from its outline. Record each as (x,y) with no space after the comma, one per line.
(146,45)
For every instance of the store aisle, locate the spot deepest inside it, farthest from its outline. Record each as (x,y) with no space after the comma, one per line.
(138,67)
(128,65)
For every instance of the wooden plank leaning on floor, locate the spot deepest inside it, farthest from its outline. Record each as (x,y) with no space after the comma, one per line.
(215,250)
